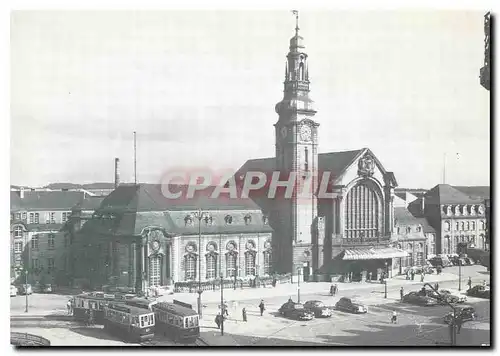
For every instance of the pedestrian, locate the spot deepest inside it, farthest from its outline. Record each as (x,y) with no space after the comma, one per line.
(218,320)
(225,309)
(436,286)
(262,307)
(68,305)
(369,276)
(484,283)
(469,283)
(335,289)
(274,282)
(244,314)
(422,277)
(401,293)
(412,275)
(394,318)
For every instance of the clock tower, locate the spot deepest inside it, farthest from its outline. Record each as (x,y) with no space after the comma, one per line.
(296,154)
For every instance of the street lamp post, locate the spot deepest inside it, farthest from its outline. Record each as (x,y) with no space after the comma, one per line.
(459,274)
(26,288)
(199,215)
(222,304)
(298,284)
(385,281)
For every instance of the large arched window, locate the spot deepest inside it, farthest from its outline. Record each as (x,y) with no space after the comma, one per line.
(18,231)
(363,212)
(250,263)
(231,258)
(190,267)
(446,226)
(154,270)
(211,265)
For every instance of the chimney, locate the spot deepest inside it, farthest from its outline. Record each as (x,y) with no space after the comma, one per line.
(423,205)
(117,173)
(21,193)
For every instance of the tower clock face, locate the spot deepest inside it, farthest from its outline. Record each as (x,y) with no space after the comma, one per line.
(305,132)
(283,132)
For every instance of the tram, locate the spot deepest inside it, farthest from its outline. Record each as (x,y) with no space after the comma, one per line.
(176,321)
(93,302)
(129,323)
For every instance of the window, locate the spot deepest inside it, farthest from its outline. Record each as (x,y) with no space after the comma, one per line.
(419,228)
(228,219)
(457,226)
(65,216)
(154,271)
(24,215)
(190,267)
(265,219)
(468,226)
(432,245)
(231,264)
(211,265)
(52,218)
(268,262)
(462,226)
(250,263)
(18,247)
(18,216)
(34,242)
(50,264)
(18,231)
(306,162)
(51,241)
(37,218)
(248,219)
(482,225)
(35,263)
(408,229)
(32,218)
(362,211)
(473,225)
(410,259)
(446,226)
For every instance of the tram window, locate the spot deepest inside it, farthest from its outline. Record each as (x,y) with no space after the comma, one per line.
(195,321)
(170,319)
(191,322)
(142,321)
(186,322)
(150,319)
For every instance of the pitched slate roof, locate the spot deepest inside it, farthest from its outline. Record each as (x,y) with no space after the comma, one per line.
(481,192)
(404,217)
(89,203)
(446,194)
(334,162)
(58,200)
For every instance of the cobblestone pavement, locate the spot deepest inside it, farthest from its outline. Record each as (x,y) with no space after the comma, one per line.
(416,325)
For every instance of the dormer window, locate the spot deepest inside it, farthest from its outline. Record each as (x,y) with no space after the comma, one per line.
(265,219)
(408,229)
(248,219)
(419,228)
(208,219)
(228,219)
(457,210)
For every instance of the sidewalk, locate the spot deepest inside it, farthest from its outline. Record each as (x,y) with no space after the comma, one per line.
(290,290)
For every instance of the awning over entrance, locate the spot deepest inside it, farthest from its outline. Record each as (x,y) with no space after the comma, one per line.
(373,254)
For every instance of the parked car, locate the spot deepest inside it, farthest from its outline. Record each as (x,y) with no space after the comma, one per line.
(47,288)
(25,289)
(479,291)
(13,291)
(347,305)
(418,299)
(37,288)
(318,308)
(295,311)
(453,297)
(465,314)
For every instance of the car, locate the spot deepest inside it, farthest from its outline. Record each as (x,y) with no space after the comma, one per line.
(13,291)
(347,305)
(25,289)
(479,291)
(452,297)
(47,288)
(463,314)
(296,311)
(318,308)
(418,299)
(37,288)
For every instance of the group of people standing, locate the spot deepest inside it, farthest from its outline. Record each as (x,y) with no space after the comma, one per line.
(223,314)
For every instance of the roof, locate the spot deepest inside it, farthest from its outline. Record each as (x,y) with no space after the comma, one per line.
(373,253)
(89,203)
(128,308)
(135,207)
(334,162)
(403,217)
(51,200)
(481,192)
(175,309)
(97,185)
(446,194)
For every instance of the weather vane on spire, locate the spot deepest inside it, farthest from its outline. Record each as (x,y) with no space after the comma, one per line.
(296,13)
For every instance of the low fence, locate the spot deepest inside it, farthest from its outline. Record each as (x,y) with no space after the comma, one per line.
(25,339)
(193,286)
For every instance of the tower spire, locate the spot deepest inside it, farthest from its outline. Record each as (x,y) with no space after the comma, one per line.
(296,13)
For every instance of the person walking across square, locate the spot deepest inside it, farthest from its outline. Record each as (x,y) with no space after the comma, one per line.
(394,318)
(262,307)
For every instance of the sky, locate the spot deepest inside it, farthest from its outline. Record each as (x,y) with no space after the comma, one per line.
(199,88)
